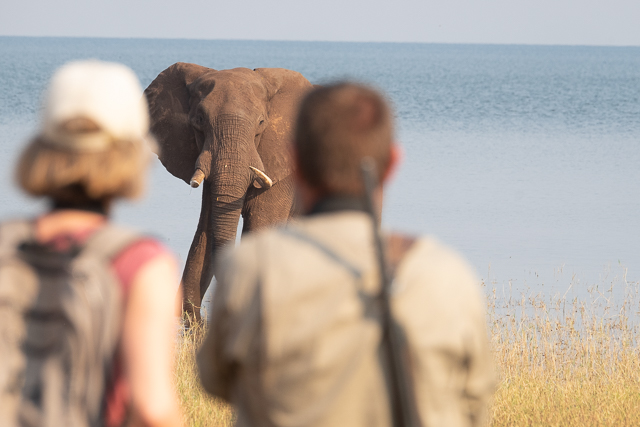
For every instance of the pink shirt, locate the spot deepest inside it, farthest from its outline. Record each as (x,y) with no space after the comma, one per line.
(126,265)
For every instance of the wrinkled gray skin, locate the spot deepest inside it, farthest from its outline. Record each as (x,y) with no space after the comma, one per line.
(228,131)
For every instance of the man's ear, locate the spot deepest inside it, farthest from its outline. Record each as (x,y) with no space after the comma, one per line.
(395,158)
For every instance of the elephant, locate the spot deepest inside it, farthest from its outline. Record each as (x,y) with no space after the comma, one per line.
(228,131)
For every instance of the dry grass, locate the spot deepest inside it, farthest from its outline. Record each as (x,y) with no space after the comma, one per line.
(567,362)
(561,361)
(199,409)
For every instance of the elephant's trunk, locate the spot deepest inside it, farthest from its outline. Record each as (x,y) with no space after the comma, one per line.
(227,199)
(225,214)
(227,168)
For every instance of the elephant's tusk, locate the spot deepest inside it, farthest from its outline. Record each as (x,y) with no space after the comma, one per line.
(265,181)
(197,178)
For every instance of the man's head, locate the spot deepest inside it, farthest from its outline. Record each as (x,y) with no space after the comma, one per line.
(338,125)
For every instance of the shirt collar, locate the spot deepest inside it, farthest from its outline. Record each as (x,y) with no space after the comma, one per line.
(337,203)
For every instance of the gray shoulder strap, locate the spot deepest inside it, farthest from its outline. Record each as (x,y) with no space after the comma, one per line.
(321,247)
(110,240)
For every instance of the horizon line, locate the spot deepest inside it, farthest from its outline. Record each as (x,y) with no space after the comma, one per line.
(322,41)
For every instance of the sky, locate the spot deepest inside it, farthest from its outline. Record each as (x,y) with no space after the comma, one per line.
(566,22)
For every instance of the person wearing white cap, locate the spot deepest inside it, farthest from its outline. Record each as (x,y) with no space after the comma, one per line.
(92,148)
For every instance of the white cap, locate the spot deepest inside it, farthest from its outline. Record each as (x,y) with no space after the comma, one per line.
(106,93)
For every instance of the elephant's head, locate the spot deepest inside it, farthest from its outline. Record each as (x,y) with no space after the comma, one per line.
(228,129)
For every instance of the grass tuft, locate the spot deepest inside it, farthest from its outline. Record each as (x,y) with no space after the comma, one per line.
(567,361)
(199,408)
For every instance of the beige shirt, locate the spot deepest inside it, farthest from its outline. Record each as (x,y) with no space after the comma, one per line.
(295,330)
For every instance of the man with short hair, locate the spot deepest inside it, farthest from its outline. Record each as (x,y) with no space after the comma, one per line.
(295,336)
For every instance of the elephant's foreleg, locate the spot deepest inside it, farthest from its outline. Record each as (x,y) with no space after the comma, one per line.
(198,270)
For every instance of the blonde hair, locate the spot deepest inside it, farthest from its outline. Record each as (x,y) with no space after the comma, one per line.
(93,143)
(75,177)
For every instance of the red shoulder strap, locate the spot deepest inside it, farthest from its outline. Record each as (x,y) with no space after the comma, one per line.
(397,245)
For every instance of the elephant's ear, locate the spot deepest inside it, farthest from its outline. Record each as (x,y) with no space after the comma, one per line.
(168,98)
(285,88)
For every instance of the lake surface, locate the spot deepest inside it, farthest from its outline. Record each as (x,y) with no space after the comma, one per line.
(524,158)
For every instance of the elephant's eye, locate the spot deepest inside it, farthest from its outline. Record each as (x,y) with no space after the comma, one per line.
(261,122)
(197,121)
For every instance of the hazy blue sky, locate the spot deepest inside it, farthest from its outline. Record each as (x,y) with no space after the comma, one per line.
(588,22)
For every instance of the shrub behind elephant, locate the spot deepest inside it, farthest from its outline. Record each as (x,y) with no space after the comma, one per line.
(227,130)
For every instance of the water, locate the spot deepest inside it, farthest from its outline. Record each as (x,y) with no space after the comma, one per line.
(524,158)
